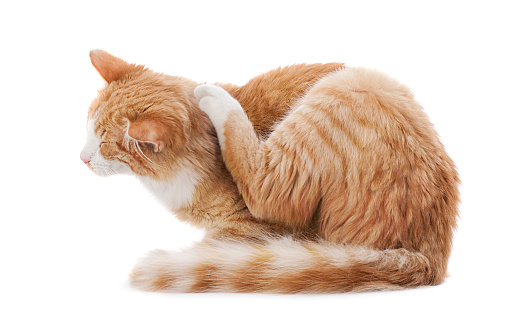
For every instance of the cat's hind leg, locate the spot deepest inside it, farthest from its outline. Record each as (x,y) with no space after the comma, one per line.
(275,180)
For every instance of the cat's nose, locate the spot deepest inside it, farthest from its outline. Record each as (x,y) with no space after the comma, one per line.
(85,160)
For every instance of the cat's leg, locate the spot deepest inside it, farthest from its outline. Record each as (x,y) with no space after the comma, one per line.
(220,107)
(275,179)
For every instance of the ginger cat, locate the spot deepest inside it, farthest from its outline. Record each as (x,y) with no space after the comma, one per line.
(345,185)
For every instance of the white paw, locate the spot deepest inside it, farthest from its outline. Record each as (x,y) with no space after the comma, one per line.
(217,104)
(202,91)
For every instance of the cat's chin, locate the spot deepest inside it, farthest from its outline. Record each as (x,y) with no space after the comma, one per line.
(105,170)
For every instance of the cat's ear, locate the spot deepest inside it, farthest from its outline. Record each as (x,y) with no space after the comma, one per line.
(149,131)
(110,67)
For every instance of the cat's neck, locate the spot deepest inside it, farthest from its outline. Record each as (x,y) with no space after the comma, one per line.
(201,200)
(175,192)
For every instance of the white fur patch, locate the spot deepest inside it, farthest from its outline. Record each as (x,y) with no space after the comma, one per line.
(92,142)
(171,264)
(176,193)
(217,104)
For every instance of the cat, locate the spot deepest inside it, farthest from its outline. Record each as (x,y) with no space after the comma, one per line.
(312,178)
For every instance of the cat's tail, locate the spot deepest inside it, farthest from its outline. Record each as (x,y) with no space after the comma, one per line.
(281,266)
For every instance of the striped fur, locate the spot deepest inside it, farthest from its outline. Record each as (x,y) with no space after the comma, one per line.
(336,180)
(279,265)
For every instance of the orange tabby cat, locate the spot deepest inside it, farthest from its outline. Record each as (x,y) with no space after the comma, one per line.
(348,185)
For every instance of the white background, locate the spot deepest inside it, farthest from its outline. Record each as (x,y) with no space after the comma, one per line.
(69,238)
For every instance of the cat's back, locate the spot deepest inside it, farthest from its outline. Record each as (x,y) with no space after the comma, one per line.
(269,97)
(356,111)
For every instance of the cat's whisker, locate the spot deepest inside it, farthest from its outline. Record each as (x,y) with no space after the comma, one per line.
(127,142)
(143,155)
(140,152)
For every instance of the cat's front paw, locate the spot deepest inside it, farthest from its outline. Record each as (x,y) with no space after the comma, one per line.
(217,104)
(204,90)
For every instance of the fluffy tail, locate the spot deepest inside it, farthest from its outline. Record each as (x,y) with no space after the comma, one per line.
(280,266)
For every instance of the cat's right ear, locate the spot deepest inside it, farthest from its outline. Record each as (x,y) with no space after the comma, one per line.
(109,67)
(149,131)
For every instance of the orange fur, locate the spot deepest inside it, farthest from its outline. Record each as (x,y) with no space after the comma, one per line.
(352,188)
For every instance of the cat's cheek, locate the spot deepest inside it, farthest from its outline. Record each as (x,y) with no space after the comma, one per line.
(107,167)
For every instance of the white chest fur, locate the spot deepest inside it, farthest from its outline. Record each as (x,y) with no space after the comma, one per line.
(176,193)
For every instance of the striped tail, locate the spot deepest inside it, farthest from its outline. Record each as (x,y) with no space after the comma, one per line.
(281,266)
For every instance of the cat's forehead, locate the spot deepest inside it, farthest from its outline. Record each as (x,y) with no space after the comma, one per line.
(115,98)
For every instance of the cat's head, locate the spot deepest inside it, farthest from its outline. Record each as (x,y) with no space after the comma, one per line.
(140,122)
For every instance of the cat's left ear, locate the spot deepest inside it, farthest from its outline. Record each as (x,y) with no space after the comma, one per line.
(149,131)
(110,67)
